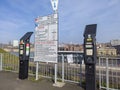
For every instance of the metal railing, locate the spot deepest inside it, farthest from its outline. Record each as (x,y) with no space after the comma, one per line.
(9,62)
(71,71)
(66,71)
(107,69)
(109,73)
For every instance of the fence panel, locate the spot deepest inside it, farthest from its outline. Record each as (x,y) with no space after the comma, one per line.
(110,80)
(10,62)
(72,71)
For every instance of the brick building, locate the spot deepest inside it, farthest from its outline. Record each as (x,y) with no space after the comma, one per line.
(70,47)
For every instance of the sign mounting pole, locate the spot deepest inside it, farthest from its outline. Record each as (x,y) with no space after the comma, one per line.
(54,4)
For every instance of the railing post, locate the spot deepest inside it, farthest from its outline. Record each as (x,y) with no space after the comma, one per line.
(55,73)
(62,68)
(107,74)
(1,62)
(99,74)
(37,68)
(81,74)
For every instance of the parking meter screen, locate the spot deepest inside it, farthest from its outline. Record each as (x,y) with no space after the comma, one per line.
(89,52)
(21,49)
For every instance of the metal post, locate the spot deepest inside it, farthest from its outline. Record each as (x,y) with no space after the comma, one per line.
(80,61)
(1,62)
(55,73)
(80,74)
(107,74)
(62,68)
(99,74)
(37,67)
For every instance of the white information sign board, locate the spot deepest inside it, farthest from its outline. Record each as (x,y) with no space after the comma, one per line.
(46,38)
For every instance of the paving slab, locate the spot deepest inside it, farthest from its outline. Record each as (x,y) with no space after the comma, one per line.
(10,81)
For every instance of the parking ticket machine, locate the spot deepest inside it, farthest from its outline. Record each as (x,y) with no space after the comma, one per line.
(90,56)
(24,53)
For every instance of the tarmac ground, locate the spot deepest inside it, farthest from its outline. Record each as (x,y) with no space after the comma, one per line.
(10,81)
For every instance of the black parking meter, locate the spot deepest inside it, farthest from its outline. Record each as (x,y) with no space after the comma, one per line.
(90,56)
(24,53)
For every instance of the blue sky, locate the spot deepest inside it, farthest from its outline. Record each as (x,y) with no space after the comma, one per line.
(17,17)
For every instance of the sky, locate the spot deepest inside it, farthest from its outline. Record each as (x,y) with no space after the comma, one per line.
(18,17)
